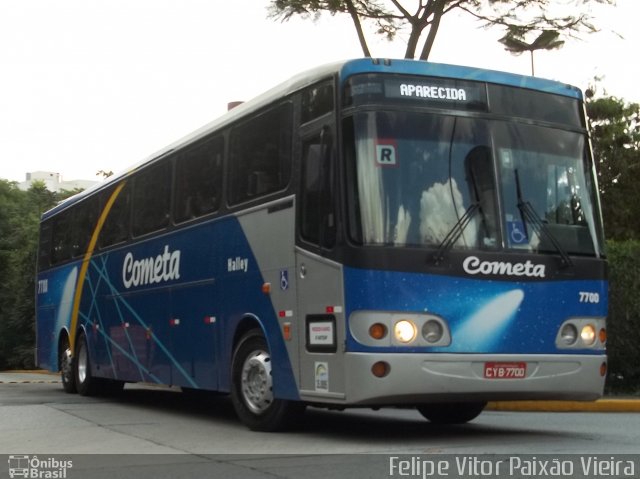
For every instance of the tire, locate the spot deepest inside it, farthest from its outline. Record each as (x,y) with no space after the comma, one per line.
(252,388)
(86,384)
(451,413)
(67,374)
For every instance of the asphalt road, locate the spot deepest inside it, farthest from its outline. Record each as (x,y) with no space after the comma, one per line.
(164,433)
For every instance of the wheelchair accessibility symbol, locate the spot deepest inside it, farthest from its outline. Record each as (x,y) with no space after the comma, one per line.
(284,280)
(517,234)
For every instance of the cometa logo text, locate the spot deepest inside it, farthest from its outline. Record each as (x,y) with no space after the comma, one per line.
(473,265)
(155,269)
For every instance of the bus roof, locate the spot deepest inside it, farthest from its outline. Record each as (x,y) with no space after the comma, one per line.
(344,70)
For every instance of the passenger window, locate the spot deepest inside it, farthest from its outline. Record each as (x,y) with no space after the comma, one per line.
(116,226)
(151,199)
(85,217)
(260,155)
(199,181)
(61,238)
(44,250)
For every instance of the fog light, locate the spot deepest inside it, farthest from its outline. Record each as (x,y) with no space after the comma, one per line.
(588,334)
(603,369)
(405,331)
(569,334)
(432,331)
(380,369)
(377,331)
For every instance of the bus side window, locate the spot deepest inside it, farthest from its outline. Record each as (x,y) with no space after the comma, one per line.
(317,100)
(316,215)
(116,225)
(84,222)
(44,249)
(61,238)
(199,181)
(260,155)
(151,199)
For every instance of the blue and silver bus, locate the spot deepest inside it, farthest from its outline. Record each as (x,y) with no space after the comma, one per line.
(370,233)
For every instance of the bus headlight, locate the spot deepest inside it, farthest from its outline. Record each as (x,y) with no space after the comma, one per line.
(405,331)
(577,333)
(569,334)
(432,331)
(588,334)
(399,328)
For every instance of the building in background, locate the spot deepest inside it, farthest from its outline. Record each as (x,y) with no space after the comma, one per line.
(54,181)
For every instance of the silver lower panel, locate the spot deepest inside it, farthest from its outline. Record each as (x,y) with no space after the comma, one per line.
(421,378)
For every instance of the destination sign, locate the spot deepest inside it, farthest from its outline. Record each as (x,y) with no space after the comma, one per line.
(435,92)
(438,91)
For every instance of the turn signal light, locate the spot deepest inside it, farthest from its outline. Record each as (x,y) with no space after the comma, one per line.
(378,331)
(602,335)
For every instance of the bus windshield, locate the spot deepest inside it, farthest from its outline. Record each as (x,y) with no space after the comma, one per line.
(414,177)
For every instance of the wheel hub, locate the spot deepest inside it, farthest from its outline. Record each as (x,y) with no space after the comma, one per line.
(67,366)
(82,364)
(257,383)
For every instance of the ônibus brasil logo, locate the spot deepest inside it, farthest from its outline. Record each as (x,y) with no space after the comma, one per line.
(37,468)
(473,265)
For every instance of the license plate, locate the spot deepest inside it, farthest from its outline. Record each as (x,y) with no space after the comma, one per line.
(505,370)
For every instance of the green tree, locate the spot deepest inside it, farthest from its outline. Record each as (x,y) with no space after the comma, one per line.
(19,220)
(422,18)
(615,135)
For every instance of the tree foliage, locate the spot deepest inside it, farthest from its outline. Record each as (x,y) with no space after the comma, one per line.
(520,18)
(615,134)
(623,322)
(19,220)
(515,43)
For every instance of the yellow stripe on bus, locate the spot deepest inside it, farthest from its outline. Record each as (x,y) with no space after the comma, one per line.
(85,265)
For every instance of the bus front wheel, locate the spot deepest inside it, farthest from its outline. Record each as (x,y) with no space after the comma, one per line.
(252,387)
(451,413)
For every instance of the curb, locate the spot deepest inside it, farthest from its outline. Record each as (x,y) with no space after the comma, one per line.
(29,376)
(29,371)
(601,405)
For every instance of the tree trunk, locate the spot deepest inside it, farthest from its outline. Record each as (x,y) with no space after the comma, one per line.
(412,43)
(433,29)
(358,25)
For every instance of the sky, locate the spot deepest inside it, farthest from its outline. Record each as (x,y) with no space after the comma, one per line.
(89,85)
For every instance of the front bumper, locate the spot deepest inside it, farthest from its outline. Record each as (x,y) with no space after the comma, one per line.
(420,378)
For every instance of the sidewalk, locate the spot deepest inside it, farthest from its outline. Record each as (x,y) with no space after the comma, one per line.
(601,405)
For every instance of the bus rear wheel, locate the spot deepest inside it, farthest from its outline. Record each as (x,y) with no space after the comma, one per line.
(86,384)
(252,387)
(451,413)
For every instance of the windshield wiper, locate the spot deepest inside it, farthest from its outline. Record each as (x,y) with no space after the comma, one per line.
(529,214)
(454,234)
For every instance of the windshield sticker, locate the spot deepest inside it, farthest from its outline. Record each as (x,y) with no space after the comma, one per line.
(386,153)
(517,234)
